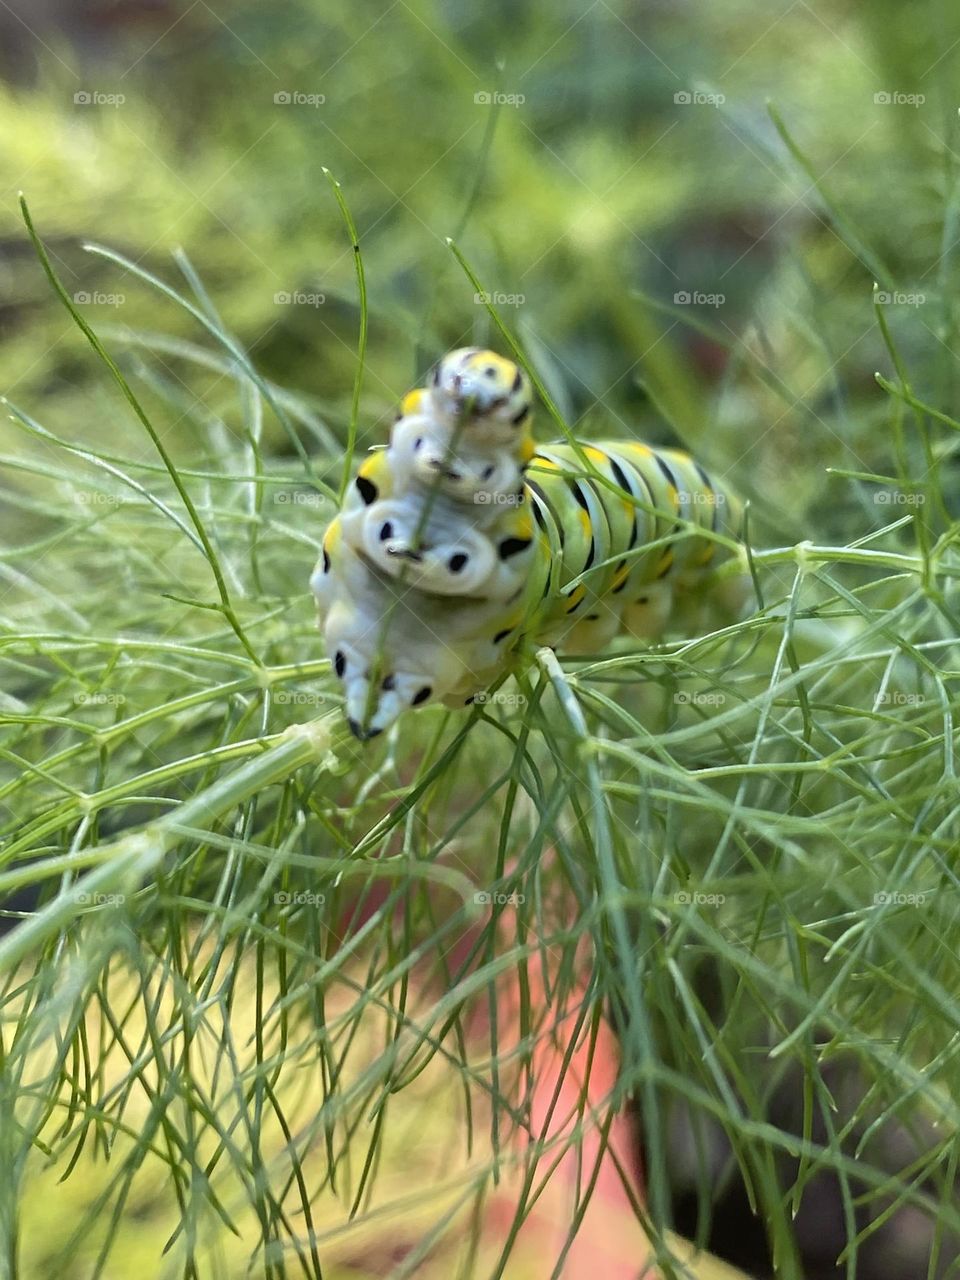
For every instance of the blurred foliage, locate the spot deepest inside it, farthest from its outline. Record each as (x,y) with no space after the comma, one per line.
(594,197)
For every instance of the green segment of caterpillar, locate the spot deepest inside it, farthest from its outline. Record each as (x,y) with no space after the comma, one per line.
(462,539)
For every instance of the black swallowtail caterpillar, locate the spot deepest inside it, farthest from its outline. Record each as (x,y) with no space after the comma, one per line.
(462,539)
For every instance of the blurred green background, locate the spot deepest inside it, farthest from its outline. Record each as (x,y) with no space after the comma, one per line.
(597,163)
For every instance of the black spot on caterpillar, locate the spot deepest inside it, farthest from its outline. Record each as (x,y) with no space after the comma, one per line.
(512,547)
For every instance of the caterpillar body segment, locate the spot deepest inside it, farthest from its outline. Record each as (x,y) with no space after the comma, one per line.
(461,540)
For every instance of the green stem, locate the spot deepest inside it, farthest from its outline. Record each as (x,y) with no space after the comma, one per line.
(226,605)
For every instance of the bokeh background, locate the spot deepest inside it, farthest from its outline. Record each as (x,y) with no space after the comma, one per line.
(596,163)
(682,210)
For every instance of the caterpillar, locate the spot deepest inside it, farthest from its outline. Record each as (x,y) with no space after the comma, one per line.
(462,540)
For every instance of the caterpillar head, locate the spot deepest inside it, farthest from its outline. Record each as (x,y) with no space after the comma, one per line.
(395,649)
(468,433)
(487,395)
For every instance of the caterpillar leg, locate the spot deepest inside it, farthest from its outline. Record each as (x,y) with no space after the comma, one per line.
(594,631)
(647,614)
(705,605)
